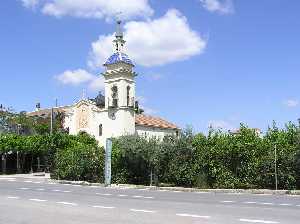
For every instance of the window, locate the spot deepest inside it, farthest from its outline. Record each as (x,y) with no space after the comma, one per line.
(100,129)
(128,96)
(114,96)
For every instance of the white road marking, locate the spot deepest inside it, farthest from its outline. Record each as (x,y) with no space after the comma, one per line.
(66,203)
(266,203)
(24,188)
(202,192)
(285,204)
(93,186)
(13,197)
(176,191)
(38,182)
(56,190)
(104,207)
(141,210)
(193,216)
(75,185)
(148,197)
(66,191)
(103,194)
(298,205)
(258,221)
(67,184)
(250,202)
(37,200)
(12,180)
(28,181)
(122,195)
(227,201)
(137,196)
(40,189)
(163,190)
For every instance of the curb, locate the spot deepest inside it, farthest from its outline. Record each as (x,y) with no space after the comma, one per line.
(182,189)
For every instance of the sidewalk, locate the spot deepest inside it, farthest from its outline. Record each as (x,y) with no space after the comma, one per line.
(30,176)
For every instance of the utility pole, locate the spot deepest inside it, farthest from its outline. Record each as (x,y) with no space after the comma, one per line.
(276,179)
(51,121)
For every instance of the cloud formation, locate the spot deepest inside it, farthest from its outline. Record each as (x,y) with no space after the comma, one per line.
(80,76)
(291,103)
(219,6)
(97,9)
(154,42)
(30,3)
(74,77)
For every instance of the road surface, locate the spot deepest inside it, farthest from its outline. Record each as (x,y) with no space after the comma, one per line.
(36,201)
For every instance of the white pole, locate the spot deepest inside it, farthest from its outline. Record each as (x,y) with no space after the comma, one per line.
(276,179)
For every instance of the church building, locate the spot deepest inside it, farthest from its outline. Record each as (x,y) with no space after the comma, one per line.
(117,113)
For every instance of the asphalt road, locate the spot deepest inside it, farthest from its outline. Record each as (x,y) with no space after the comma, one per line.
(36,201)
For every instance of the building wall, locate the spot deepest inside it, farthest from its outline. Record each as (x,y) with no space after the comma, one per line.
(150,132)
(87,117)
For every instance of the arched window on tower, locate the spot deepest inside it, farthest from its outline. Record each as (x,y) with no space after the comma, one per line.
(100,129)
(128,96)
(114,96)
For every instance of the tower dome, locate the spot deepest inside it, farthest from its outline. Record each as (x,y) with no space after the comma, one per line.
(119,43)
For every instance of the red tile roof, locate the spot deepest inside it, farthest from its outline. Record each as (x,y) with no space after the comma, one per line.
(146,120)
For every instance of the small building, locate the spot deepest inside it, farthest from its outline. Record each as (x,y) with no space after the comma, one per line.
(117,112)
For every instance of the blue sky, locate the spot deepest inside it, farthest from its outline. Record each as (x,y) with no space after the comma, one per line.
(200,62)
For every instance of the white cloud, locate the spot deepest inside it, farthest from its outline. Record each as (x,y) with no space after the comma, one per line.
(291,103)
(30,3)
(221,124)
(80,76)
(97,84)
(75,77)
(154,42)
(220,6)
(93,8)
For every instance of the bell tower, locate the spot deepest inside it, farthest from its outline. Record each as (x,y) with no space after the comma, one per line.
(120,87)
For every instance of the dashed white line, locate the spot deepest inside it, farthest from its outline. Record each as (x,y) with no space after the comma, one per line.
(227,201)
(285,204)
(144,189)
(193,216)
(67,184)
(13,197)
(104,207)
(141,210)
(37,200)
(66,203)
(11,180)
(66,191)
(163,190)
(266,203)
(23,188)
(104,194)
(122,195)
(28,181)
(76,185)
(56,190)
(250,202)
(40,189)
(37,182)
(149,197)
(137,196)
(258,221)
